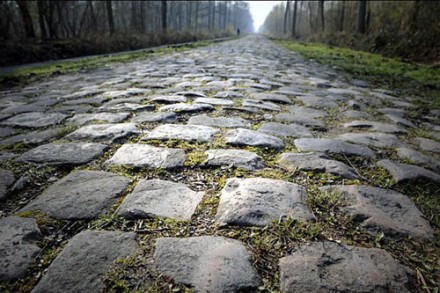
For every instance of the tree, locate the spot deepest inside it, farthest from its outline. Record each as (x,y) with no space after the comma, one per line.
(27,19)
(361,17)
(164,15)
(321,14)
(111,22)
(341,19)
(286,16)
(295,11)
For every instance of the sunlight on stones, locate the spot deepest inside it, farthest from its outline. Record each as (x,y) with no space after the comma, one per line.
(207,263)
(259,201)
(34,119)
(234,158)
(85,260)
(142,155)
(80,195)
(316,162)
(18,246)
(227,122)
(406,172)
(160,198)
(183,132)
(82,119)
(382,210)
(246,137)
(335,146)
(65,153)
(106,133)
(328,266)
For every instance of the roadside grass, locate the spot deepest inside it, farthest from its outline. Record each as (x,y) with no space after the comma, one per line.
(25,76)
(391,73)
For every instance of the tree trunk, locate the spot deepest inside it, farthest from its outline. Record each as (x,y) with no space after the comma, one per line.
(295,10)
(414,15)
(286,16)
(341,19)
(361,17)
(321,14)
(41,20)
(196,21)
(164,15)
(111,22)
(27,19)
(142,17)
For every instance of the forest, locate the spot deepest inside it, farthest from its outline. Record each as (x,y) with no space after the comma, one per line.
(407,29)
(49,29)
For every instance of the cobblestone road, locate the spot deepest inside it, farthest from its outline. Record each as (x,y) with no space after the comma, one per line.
(238,166)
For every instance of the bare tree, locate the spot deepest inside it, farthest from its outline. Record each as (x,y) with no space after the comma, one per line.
(164,15)
(321,14)
(361,17)
(27,19)
(341,18)
(295,11)
(111,22)
(286,16)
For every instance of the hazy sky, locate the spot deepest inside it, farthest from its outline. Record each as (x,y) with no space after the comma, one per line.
(259,11)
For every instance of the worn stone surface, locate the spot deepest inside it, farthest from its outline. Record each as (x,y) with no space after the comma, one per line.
(18,246)
(375,126)
(33,137)
(275,98)
(234,158)
(382,210)
(261,97)
(259,201)
(63,153)
(214,101)
(169,99)
(183,132)
(127,107)
(85,260)
(269,106)
(227,122)
(429,145)
(375,139)
(7,131)
(280,129)
(316,102)
(81,195)
(336,146)
(418,158)
(246,137)
(186,108)
(34,119)
(7,178)
(154,117)
(306,112)
(300,119)
(142,155)
(406,172)
(332,267)
(5,156)
(107,133)
(160,198)
(207,263)
(82,119)
(316,162)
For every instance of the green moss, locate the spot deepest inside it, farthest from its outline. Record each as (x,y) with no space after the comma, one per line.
(41,218)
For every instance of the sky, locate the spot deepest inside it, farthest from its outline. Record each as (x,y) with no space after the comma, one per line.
(259,11)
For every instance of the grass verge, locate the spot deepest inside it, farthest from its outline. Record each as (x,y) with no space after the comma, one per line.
(386,72)
(25,76)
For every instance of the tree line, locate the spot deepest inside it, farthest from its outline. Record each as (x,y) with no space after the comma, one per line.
(54,20)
